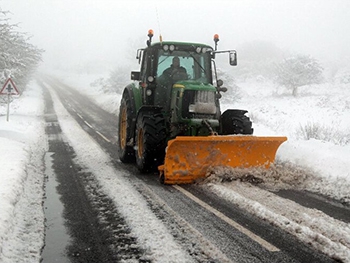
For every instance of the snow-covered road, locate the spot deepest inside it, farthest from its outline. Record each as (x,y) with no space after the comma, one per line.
(23,144)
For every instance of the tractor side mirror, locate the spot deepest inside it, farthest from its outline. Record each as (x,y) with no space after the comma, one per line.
(233,58)
(135,75)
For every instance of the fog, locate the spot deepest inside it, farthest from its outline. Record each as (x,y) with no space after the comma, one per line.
(100,34)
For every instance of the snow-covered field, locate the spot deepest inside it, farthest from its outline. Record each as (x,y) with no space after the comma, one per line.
(322,163)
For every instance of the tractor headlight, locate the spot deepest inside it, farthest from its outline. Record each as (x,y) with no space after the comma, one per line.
(165,48)
(148,92)
(171,47)
(150,78)
(198,49)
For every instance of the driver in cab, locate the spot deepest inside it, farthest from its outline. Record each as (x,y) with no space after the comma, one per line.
(175,72)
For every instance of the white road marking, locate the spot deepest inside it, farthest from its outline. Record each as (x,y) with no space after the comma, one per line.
(88,124)
(239,227)
(103,136)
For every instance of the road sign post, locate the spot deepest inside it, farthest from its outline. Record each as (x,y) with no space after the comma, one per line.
(8,108)
(9,89)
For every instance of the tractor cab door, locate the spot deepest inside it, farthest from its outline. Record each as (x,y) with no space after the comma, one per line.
(147,76)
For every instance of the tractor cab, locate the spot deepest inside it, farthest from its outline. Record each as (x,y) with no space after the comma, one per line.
(164,64)
(167,63)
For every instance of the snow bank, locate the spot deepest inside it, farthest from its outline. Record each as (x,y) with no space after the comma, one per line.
(22,145)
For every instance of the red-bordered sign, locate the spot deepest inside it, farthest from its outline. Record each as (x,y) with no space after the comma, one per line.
(9,88)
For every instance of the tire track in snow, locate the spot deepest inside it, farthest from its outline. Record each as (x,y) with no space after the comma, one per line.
(93,229)
(152,235)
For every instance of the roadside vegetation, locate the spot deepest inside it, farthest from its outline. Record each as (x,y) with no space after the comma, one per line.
(18,57)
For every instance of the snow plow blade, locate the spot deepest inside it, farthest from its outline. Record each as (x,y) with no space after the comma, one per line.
(189,158)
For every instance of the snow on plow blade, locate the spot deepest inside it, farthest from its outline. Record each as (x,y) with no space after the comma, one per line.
(189,158)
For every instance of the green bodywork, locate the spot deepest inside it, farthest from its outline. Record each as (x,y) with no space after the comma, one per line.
(195,125)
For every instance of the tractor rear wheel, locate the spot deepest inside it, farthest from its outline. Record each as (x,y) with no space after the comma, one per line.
(150,139)
(126,151)
(235,122)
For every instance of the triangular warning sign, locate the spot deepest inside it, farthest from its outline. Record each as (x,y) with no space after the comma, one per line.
(9,88)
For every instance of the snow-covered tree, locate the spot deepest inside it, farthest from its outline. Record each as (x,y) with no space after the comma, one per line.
(342,76)
(119,78)
(18,57)
(297,71)
(116,81)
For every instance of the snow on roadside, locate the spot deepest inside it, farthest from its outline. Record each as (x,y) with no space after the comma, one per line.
(22,145)
(324,108)
(311,226)
(153,237)
(328,163)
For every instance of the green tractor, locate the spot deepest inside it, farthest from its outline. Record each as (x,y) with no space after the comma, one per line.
(174,96)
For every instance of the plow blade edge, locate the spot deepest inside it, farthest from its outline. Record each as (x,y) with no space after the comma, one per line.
(189,158)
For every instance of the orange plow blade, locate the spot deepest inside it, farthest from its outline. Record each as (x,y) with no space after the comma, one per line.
(188,158)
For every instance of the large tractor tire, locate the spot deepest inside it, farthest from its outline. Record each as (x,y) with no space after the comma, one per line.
(150,139)
(235,122)
(126,115)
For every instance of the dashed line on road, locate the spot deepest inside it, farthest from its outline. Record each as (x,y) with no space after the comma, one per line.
(104,137)
(88,124)
(228,220)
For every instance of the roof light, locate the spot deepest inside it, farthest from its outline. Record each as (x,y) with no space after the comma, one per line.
(150,35)
(216,40)
(216,37)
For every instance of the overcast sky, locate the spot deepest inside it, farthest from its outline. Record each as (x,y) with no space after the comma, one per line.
(102,31)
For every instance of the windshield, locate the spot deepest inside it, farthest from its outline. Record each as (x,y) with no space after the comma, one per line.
(196,65)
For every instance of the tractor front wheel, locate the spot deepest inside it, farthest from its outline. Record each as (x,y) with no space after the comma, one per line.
(235,122)
(126,149)
(150,139)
